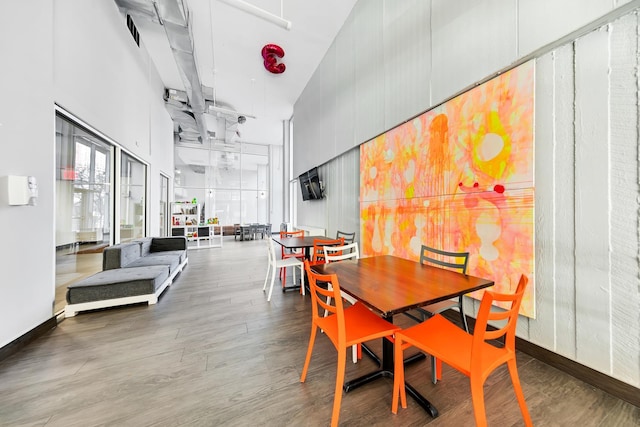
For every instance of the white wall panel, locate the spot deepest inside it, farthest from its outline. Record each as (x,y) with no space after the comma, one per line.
(342,177)
(625,303)
(564,299)
(592,232)
(327,118)
(345,88)
(540,22)
(545,184)
(407,59)
(308,119)
(369,68)
(471,40)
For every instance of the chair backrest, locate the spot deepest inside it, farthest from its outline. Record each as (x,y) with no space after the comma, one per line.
(271,252)
(299,233)
(318,248)
(348,237)
(319,295)
(452,260)
(338,253)
(509,318)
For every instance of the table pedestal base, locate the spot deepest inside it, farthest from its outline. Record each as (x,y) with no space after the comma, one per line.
(385,373)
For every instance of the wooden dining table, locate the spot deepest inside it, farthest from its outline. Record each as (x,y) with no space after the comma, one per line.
(390,285)
(303,242)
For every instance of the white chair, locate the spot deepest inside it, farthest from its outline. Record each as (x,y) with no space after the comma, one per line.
(339,253)
(275,264)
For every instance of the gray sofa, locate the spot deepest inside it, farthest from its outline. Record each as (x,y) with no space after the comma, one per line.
(138,271)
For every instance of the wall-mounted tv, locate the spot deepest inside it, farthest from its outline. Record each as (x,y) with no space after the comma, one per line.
(310,185)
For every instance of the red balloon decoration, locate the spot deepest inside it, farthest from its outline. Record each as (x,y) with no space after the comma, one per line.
(271,53)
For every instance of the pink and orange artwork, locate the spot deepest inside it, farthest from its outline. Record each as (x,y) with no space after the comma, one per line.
(459,177)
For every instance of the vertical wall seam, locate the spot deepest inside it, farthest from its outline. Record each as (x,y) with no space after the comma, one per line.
(575,210)
(554,145)
(637,74)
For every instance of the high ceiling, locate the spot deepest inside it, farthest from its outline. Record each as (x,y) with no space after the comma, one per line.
(227,46)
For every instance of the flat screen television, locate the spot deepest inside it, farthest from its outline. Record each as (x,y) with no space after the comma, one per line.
(310,185)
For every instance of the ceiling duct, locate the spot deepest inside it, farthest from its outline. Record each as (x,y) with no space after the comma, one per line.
(174,16)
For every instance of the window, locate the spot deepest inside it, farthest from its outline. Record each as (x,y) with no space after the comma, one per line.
(133,187)
(230,183)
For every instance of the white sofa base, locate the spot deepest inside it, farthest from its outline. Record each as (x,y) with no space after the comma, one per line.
(71,310)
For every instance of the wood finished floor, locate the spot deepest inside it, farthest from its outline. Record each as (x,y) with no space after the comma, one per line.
(214,352)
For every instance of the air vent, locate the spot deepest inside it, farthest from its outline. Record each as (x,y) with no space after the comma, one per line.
(133,30)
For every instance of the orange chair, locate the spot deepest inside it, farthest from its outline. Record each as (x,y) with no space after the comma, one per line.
(470,354)
(345,327)
(318,252)
(286,253)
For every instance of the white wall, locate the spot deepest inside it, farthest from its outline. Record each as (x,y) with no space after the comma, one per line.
(410,55)
(28,148)
(102,77)
(78,54)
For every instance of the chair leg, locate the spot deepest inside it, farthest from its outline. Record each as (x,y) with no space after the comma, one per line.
(307,360)
(273,279)
(462,315)
(434,370)
(293,273)
(337,399)
(302,280)
(399,391)
(515,379)
(266,278)
(477,397)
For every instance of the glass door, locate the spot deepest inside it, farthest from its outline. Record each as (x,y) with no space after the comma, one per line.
(83,203)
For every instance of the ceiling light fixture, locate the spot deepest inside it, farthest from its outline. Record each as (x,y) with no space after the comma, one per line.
(260,13)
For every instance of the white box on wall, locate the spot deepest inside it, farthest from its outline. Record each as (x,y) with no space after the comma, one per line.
(15,190)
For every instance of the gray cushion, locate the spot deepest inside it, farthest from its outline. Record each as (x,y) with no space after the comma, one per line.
(118,283)
(172,261)
(180,254)
(118,256)
(160,244)
(145,245)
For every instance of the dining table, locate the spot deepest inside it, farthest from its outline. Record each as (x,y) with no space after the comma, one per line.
(390,285)
(298,242)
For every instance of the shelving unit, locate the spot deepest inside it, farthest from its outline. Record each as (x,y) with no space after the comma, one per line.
(184,220)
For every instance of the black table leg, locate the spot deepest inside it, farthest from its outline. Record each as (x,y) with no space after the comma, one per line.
(386,371)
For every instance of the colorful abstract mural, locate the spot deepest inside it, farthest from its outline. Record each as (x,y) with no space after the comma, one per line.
(459,177)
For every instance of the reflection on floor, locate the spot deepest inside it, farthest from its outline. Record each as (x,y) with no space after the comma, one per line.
(76,262)
(73,264)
